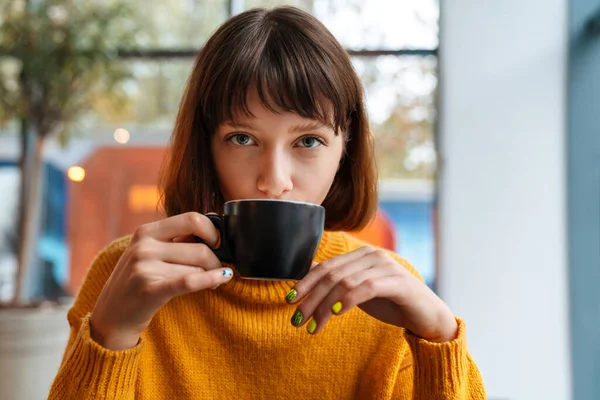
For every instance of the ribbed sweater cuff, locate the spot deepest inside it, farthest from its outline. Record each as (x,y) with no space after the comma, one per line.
(95,372)
(439,368)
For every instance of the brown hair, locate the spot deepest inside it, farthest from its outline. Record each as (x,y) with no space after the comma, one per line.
(295,64)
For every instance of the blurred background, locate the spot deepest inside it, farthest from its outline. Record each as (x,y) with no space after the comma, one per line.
(486,121)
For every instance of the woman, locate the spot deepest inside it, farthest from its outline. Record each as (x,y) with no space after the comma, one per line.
(273,109)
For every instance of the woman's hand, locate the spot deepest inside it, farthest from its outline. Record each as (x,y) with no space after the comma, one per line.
(374,281)
(161,262)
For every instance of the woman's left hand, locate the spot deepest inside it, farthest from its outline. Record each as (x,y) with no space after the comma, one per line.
(375,282)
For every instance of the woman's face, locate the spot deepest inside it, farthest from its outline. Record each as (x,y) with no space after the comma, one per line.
(276,156)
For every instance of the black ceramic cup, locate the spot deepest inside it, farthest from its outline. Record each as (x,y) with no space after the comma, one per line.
(269,239)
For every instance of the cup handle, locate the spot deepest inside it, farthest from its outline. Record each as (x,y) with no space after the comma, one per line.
(223,252)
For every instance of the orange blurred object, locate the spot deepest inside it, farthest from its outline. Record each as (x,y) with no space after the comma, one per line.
(118,194)
(380,232)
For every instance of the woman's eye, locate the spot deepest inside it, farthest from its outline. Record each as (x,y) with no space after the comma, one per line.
(310,142)
(241,139)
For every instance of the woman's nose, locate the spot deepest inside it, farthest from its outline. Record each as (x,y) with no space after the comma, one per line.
(274,178)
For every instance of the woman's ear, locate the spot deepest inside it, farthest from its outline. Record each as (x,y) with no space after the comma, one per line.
(344,149)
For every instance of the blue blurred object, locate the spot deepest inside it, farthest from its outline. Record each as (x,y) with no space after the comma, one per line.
(52,246)
(52,258)
(413,221)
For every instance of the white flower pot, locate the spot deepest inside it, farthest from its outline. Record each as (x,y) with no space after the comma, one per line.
(32,342)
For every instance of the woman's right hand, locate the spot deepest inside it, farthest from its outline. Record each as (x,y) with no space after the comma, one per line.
(161,262)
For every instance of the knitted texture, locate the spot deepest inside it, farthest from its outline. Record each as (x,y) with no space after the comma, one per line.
(238,342)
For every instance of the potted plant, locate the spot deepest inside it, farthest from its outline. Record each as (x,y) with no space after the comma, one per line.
(57,58)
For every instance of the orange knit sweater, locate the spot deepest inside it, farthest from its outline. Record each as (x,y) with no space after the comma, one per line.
(238,342)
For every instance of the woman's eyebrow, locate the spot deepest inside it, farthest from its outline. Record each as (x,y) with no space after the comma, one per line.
(238,125)
(309,126)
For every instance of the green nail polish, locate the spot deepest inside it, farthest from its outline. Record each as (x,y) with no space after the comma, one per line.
(291,295)
(311,327)
(297,318)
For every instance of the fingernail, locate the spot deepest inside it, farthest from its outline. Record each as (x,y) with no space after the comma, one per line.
(337,307)
(297,318)
(312,326)
(291,295)
(228,273)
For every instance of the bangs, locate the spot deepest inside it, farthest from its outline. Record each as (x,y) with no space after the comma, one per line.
(290,74)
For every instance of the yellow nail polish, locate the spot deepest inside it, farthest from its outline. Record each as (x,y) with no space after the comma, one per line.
(312,326)
(337,307)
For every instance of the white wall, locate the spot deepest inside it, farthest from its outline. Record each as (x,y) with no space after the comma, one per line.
(502,190)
